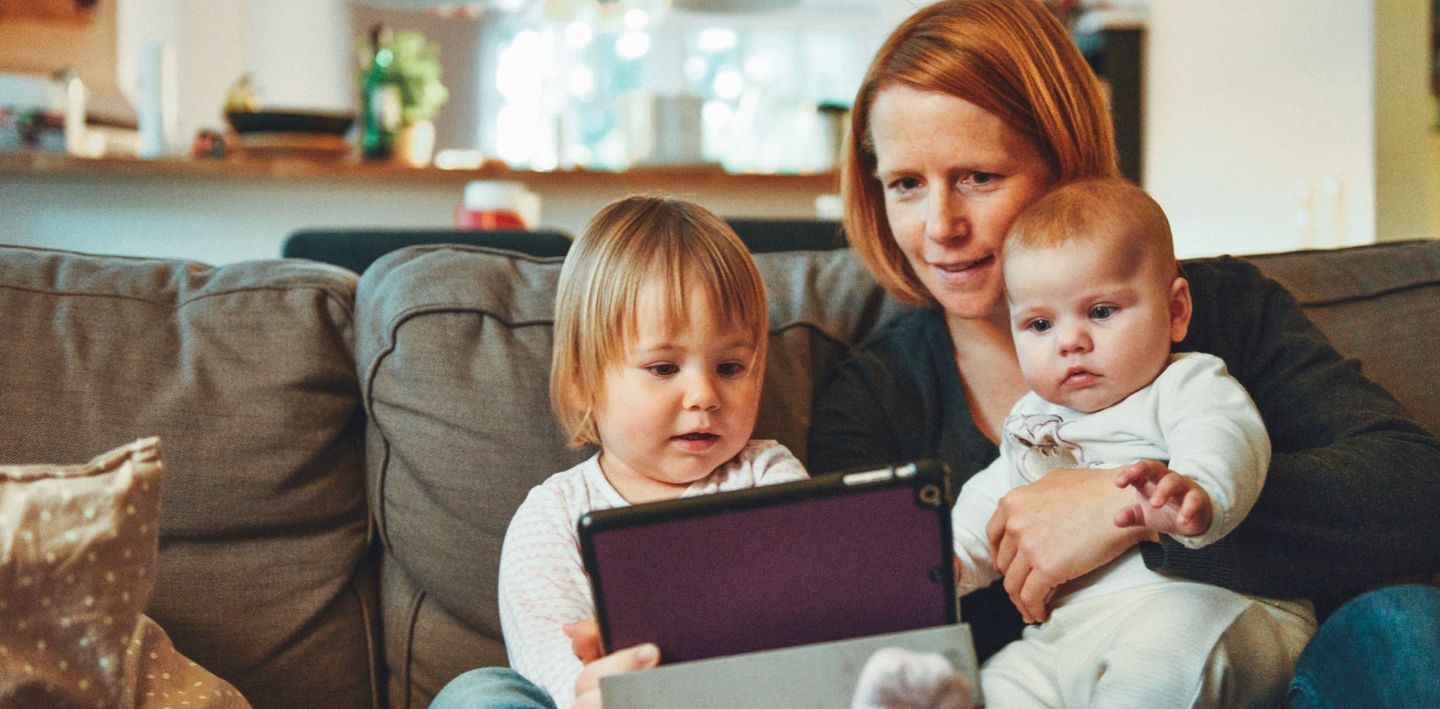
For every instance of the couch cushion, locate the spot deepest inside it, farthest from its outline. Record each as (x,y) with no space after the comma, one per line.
(1379,304)
(77,564)
(247,373)
(454,350)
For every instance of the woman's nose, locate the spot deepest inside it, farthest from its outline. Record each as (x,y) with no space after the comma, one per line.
(945,217)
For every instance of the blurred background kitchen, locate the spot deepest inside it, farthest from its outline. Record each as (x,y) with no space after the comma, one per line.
(1259,126)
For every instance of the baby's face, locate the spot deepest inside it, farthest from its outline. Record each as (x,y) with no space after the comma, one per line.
(1088,330)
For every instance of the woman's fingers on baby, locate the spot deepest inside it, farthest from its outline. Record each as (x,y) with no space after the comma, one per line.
(1015,581)
(1002,545)
(1035,596)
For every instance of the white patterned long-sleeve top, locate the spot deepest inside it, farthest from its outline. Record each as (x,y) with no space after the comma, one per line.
(543,585)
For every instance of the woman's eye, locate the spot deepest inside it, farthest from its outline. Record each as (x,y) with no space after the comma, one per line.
(730,369)
(904,184)
(982,178)
(1100,312)
(663,370)
(1039,325)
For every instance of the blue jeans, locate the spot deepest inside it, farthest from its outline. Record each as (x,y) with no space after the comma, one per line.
(491,688)
(1381,649)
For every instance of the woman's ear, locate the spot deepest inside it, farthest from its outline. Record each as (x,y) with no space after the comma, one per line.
(1180,308)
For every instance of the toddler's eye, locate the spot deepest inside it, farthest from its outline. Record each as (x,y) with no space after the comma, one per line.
(1039,325)
(1100,312)
(663,369)
(731,369)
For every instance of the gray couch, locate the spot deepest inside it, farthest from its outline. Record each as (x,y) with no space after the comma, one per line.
(343,457)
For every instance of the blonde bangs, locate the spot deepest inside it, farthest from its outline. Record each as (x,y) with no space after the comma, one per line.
(629,247)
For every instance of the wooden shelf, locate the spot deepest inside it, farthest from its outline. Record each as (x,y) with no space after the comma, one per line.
(44,164)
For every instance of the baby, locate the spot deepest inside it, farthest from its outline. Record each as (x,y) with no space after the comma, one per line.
(660,338)
(1096,301)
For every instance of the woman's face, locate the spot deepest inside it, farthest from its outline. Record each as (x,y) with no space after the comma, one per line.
(954,177)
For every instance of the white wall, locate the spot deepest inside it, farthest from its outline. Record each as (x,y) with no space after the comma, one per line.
(1290,124)
(1259,123)
(298,54)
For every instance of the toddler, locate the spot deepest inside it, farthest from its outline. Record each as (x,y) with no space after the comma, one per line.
(660,337)
(1096,300)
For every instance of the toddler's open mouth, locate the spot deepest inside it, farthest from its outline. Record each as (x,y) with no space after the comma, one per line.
(697,436)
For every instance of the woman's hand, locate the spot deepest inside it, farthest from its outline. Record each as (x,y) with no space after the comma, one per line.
(585,642)
(1055,529)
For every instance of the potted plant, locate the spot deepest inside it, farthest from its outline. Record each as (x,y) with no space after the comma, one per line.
(407,66)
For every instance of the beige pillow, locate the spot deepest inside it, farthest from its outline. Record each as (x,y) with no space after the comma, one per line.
(77,565)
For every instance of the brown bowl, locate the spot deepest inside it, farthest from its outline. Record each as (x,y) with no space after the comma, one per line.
(316,122)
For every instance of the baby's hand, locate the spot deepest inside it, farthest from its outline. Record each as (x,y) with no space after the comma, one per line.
(1170,503)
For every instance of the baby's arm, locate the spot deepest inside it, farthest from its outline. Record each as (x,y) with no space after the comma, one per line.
(979,496)
(542,588)
(1170,503)
(1216,439)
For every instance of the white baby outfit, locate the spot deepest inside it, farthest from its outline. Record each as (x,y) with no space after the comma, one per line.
(1123,635)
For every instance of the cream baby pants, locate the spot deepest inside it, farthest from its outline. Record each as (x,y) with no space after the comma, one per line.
(1168,644)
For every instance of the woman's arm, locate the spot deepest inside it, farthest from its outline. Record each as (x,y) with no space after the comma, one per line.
(1349,500)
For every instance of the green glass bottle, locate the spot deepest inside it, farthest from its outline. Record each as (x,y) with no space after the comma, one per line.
(379,100)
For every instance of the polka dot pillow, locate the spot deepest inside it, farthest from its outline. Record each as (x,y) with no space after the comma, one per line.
(77,565)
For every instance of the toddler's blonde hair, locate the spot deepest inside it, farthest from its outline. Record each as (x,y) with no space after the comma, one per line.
(630,244)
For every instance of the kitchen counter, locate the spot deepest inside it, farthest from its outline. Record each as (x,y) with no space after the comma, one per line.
(218,211)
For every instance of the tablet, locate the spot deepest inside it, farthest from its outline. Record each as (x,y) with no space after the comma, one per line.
(835,557)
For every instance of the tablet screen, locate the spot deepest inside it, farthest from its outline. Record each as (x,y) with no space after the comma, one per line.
(836,557)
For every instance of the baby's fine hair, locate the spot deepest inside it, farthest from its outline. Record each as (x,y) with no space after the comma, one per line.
(631,244)
(1107,212)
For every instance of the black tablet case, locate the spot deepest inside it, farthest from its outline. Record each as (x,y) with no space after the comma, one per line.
(836,557)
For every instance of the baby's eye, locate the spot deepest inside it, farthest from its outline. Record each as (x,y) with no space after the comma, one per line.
(664,369)
(731,369)
(1100,312)
(1039,325)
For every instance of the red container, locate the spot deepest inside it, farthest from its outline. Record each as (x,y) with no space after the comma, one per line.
(497,204)
(486,218)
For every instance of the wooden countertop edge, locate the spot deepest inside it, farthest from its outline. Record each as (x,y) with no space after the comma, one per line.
(45,164)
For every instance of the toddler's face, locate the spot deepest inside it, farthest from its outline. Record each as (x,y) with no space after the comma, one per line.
(1088,333)
(682,402)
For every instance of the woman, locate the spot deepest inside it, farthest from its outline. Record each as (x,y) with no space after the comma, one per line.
(969,112)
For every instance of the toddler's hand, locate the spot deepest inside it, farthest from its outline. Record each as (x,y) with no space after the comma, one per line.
(1170,503)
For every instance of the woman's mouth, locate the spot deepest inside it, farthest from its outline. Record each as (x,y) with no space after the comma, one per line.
(962,270)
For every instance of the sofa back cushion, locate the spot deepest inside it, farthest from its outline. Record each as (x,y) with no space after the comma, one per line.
(1378,304)
(454,354)
(247,373)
